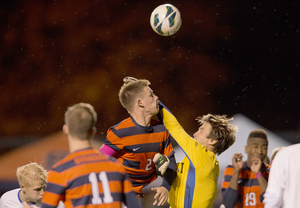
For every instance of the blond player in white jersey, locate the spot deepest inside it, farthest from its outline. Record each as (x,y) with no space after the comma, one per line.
(32,181)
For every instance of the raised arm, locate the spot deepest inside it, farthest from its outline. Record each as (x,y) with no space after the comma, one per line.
(173,126)
(230,182)
(256,168)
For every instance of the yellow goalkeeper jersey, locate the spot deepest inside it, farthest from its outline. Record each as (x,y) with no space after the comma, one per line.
(197,174)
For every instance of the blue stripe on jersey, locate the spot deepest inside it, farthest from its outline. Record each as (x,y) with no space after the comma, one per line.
(243,181)
(57,189)
(140,148)
(112,176)
(138,129)
(159,128)
(111,145)
(131,131)
(85,200)
(64,166)
(190,187)
(47,206)
(135,183)
(19,196)
(168,141)
(227,178)
(131,164)
(143,148)
(191,177)
(261,197)
(141,177)
(90,158)
(148,129)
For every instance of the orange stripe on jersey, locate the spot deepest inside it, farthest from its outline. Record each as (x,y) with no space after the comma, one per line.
(51,199)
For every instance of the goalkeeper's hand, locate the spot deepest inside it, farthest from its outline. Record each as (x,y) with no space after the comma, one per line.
(161,163)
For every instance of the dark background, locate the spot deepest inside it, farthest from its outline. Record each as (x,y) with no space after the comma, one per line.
(228,57)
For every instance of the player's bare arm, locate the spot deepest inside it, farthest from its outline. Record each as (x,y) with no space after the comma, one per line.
(256,168)
(237,163)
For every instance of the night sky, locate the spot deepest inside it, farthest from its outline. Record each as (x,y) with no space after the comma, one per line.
(227,58)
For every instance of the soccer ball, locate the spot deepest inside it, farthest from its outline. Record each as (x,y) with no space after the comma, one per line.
(165,20)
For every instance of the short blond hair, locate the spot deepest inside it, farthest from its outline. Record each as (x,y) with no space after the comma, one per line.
(130,91)
(30,172)
(81,118)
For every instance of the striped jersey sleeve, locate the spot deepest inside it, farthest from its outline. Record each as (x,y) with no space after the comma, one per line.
(135,148)
(87,178)
(249,193)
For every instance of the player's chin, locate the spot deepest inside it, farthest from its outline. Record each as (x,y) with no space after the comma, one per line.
(38,201)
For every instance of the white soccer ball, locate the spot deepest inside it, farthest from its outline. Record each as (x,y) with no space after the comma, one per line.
(165,20)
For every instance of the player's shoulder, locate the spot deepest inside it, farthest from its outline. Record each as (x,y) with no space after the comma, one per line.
(61,162)
(123,124)
(11,192)
(10,196)
(229,167)
(70,160)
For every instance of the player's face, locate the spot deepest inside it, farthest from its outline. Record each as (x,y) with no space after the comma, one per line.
(257,147)
(202,134)
(150,101)
(35,192)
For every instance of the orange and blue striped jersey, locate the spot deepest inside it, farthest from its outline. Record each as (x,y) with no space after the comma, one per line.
(86,178)
(135,146)
(249,193)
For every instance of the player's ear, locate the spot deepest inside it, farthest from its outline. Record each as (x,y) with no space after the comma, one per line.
(93,131)
(22,187)
(246,149)
(212,141)
(65,129)
(140,103)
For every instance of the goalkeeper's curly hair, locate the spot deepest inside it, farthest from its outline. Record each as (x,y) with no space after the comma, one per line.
(222,131)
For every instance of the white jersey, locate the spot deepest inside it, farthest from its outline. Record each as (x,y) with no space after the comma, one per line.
(283,186)
(11,199)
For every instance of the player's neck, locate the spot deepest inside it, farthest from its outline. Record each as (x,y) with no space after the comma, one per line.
(210,148)
(141,119)
(76,144)
(24,198)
